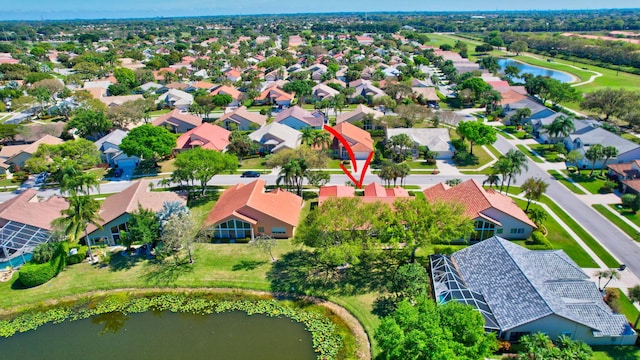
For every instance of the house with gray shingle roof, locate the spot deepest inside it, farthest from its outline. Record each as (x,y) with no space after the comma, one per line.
(521,292)
(583,139)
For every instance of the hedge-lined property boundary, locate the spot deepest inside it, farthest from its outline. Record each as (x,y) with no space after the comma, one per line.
(327,343)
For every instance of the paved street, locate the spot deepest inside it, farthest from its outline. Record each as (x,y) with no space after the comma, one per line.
(623,248)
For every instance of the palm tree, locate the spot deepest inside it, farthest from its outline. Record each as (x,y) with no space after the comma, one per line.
(82,211)
(608,152)
(517,161)
(538,216)
(634,296)
(492,179)
(562,125)
(322,138)
(533,188)
(308,135)
(502,167)
(573,157)
(511,71)
(610,274)
(594,153)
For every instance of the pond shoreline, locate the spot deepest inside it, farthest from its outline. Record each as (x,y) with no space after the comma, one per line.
(351,322)
(574,78)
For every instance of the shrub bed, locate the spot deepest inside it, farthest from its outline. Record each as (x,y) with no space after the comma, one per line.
(326,341)
(32,274)
(79,256)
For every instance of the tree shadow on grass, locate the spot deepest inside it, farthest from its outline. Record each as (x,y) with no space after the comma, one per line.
(122,261)
(247,265)
(301,272)
(159,274)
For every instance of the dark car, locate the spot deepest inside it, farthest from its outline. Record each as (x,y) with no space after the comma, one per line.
(118,172)
(250,174)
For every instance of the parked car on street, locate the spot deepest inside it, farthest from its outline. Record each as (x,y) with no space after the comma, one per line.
(250,174)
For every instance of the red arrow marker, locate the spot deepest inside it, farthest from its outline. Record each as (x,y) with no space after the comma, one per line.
(358,183)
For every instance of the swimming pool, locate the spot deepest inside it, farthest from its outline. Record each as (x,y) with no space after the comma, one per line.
(16,261)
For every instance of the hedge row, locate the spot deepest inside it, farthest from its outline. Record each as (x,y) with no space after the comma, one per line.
(32,274)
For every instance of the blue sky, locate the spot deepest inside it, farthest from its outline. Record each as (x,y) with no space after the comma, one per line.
(91,9)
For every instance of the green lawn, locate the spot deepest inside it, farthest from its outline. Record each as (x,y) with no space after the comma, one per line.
(560,239)
(592,243)
(635,218)
(630,137)
(564,181)
(479,158)
(420,165)
(627,308)
(547,152)
(253,163)
(159,112)
(528,152)
(615,353)
(591,183)
(621,224)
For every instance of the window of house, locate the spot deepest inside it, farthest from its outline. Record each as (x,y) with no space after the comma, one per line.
(517,231)
(276,230)
(499,231)
(260,230)
(232,229)
(516,335)
(483,230)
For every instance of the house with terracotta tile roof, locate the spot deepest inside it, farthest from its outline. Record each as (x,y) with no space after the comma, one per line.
(627,175)
(242,119)
(178,122)
(18,154)
(493,213)
(25,222)
(204,85)
(235,94)
(274,95)
(359,140)
(364,40)
(111,101)
(233,75)
(206,136)
(247,210)
(116,210)
(373,192)
(295,41)
(298,118)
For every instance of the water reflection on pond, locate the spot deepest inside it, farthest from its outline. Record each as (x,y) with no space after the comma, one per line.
(164,335)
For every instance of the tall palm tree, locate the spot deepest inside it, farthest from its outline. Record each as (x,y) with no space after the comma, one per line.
(517,162)
(608,152)
(82,211)
(594,153)
(502,167)
(534,188)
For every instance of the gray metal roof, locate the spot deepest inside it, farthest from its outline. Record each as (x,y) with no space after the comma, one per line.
(521,286)
(434,139)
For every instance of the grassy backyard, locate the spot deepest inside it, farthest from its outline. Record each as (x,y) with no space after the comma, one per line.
(627,213)
(590,183)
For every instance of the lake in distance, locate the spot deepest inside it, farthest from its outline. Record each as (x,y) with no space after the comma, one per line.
(534,70)
(164,335)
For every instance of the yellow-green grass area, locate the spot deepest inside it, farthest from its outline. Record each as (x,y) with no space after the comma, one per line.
(560,238)
(627,213)
(560,177)
(589,240)
(494,150)
(615,353)
(630,137)
(480,157)
(159,112)
(440,39)
(617,221)
(529,154)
